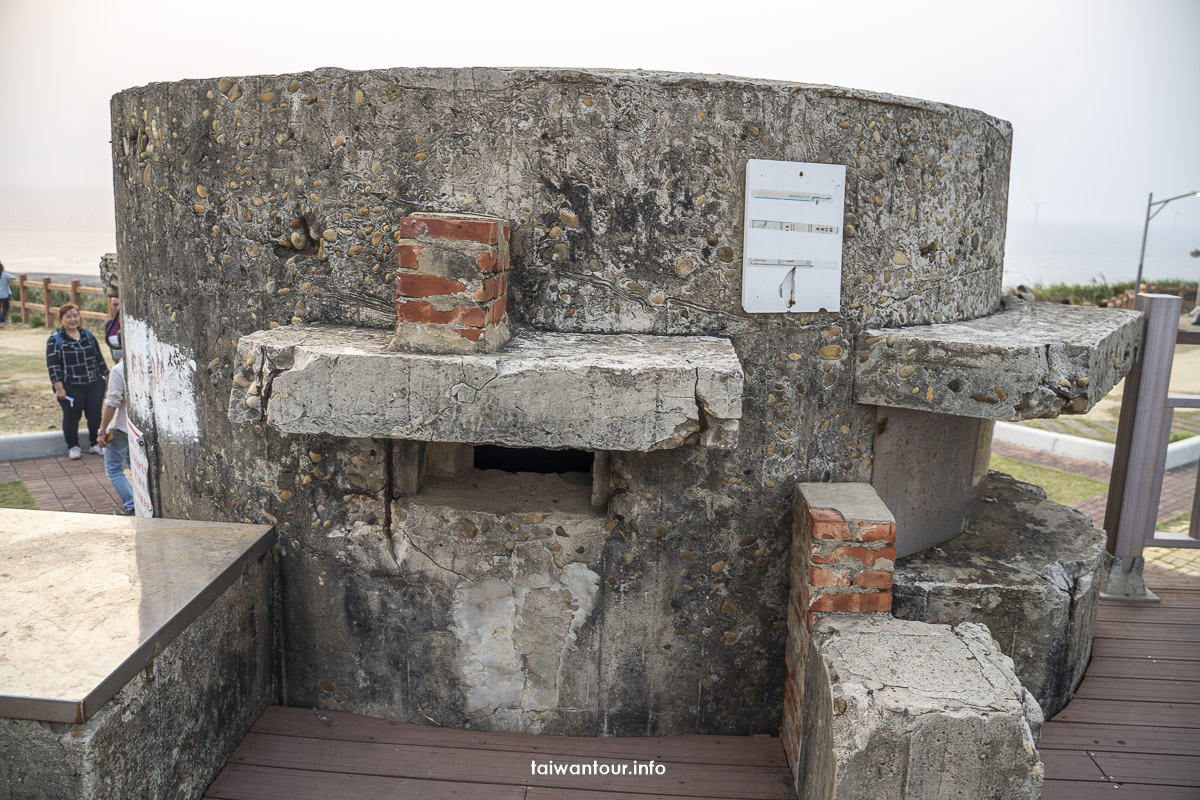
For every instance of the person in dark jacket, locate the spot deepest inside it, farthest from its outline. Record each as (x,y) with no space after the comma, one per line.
(77,372)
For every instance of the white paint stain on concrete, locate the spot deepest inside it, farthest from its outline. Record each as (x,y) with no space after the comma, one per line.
(496,622)
(161,380)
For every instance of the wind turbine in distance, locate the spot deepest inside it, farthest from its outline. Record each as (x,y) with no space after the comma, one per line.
(1037,207)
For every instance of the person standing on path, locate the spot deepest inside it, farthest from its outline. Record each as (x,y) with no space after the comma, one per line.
(5,293)
(77,372)
(115,440)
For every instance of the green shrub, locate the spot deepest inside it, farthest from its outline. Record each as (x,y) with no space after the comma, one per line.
(1096,292)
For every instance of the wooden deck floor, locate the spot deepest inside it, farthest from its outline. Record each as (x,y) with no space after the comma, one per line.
(295,754)
(1134,725)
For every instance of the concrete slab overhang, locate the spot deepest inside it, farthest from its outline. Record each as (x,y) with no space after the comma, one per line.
(1027,360)
(542,389)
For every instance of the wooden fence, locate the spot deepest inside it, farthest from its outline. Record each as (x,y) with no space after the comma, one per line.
(1182,291)
(20,299)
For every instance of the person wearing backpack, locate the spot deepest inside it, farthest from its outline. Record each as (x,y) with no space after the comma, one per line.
(77,372)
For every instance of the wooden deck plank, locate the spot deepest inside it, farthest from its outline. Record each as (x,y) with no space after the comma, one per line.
(1140,690)
(506,768)
(734,750)
(1158,613)
(1086,790)
(1148,631)
(1118,739)
(1073,765)
(1172,598)
(1135,716)
(1119,712)
(1157,669)
(241,782)
(1125,648)
(1159,577)
(1157,770)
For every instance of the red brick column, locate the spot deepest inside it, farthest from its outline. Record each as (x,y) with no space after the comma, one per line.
(842,555)
(452,283)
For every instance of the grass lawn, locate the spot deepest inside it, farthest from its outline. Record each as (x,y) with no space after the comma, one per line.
(1060,487)
(15,495)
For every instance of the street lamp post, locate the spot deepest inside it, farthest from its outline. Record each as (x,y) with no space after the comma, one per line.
(1151,213)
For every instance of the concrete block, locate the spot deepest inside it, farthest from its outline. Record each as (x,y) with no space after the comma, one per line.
(1028,568)
(929,469)
(1029,360)
(583,391)
(898,709)
(168,731)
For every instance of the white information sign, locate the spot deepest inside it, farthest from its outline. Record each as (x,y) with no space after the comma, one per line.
(139,467)
(792,251)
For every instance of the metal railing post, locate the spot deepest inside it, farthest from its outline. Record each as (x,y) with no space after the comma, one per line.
(1141,451)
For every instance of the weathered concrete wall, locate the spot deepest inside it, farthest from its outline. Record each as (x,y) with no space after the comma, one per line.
(169,731)
(1028,568)
(253,202)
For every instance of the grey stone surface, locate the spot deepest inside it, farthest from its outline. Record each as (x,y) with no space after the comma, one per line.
(1029,569)
(169,730)
(854,501)
(929,469)
(1029,360)
(625,192)
(543,389)
(915,711)
(108,275)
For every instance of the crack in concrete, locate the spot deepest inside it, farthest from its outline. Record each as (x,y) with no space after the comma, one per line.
(432,560)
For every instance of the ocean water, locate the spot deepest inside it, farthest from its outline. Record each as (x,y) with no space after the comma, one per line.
(65,233)
(1066,253)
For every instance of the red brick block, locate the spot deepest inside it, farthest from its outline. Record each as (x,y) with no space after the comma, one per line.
(455,230)
(876,532)
(866,601)
(426,286)
(821,576)
(492,288)
(496,312)
(407,255)
(824,524)
(469,333)
(421,311)
(488,261)
(873,579)
(860,554)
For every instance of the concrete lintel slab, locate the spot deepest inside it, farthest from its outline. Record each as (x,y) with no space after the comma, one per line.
(542,389)
(1028,360)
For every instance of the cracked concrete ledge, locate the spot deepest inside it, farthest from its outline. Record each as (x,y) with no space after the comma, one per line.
(1028,360)
(542,389)
(906,709)
(1028,568)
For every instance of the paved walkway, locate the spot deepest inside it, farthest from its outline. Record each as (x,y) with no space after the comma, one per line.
(1176,498)
(59,484)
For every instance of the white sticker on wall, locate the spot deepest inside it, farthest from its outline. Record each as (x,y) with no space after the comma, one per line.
(792,240)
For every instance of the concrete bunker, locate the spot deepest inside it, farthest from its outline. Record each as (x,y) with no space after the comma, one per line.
(353,278)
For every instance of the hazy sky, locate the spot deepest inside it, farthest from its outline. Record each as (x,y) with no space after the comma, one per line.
(1102,95)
